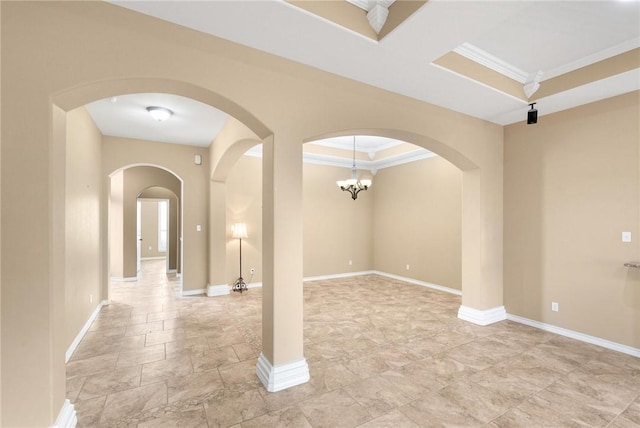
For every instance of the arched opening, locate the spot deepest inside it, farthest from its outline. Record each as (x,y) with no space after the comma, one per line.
(174,172)
(127,186)
(406,225)
(293,99)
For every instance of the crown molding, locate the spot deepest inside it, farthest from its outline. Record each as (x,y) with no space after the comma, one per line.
(328,160)
(592,59)
(482,57)
(338,145)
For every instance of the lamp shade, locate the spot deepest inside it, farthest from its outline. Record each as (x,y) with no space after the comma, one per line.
(239,230)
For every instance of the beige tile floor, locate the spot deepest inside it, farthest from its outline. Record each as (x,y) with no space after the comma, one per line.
(382,353)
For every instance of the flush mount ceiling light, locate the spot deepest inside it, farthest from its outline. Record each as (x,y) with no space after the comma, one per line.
(159,113)
(353,185)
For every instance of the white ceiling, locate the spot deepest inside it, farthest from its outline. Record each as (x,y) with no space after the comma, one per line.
(192,123)
(549,36)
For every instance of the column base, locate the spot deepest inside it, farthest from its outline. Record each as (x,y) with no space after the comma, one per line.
(479,317)
(281,377)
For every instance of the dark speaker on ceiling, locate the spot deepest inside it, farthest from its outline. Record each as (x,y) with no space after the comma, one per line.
(532,115)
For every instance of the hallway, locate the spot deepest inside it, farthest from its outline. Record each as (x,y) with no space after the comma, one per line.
(381,353)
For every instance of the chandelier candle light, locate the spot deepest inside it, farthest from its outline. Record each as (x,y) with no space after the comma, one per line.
(353,185)
(239,231)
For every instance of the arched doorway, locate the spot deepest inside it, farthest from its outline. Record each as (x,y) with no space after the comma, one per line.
(126,186)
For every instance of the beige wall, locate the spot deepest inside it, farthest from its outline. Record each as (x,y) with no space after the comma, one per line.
(571,188)
(119,153)
(417,221)
(422,197)
(136,179)
(294,103)
(336,228)
(149,229)
(82,217)
(244,205)
(116,231)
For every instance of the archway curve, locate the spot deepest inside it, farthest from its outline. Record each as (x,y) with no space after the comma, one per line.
(221,169)
(86,93)
(163,178)
(443,150)
(158,187)
(153,165)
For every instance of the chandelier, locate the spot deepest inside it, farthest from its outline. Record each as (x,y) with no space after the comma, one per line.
(353,185)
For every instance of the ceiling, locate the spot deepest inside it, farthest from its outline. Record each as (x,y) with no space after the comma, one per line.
(421,57)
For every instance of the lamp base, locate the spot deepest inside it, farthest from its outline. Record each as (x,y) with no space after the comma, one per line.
(240,285)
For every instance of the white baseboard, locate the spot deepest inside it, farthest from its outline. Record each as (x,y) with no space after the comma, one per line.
(153,258)
(67,417)
(254,285)
(126,279)
(337,276)
(193,292)
(83,331)
(172,271)
(218,290)
(277,378)
(576,335)
(421,283)
(485,317)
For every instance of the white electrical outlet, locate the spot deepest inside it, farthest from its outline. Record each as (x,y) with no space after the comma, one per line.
(407,267)
(253,270)
(554,306)
(90,298)
(626,236)
(350,262)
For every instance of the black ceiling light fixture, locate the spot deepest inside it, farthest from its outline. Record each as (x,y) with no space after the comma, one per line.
(532,115)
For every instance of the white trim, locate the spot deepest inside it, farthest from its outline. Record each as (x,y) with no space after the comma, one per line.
(339,143)
(193,292)
(486,317)
(593,58)
(482,57)
(463,76)
(402,158)
(67,417)
(277,378)
(153,258)
(421,283)
(337,276)
(362,164)
(218,290)
(254,285)
(83,331)
(127,279)
(172,271)
(576,335)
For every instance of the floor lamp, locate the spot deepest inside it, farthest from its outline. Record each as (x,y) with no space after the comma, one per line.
(239,231)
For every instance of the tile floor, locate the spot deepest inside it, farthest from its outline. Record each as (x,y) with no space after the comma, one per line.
(382,353)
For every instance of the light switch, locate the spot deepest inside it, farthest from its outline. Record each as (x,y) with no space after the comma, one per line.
(198,228)
(626,236)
